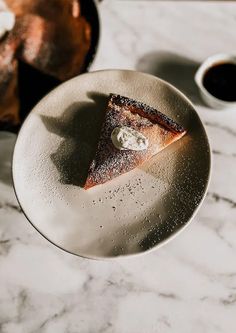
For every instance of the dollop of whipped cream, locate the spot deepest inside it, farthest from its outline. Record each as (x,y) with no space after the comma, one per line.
(7,19)
(126,138)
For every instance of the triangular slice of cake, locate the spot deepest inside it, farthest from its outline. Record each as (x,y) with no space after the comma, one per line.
(132,133)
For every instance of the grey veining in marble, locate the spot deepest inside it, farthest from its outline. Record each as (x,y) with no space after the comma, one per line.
(189,285)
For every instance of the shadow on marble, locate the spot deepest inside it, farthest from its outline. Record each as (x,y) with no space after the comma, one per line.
(175,69)
(7,143)
(80,127)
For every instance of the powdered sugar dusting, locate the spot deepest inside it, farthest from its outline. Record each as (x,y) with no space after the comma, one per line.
(155,115)
(129,214)
(110,162)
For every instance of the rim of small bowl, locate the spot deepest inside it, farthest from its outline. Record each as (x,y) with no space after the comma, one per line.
(208,63)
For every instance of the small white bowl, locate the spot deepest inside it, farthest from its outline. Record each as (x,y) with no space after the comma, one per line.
(209,99)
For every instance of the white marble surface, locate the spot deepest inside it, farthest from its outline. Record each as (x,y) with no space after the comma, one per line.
(189,285)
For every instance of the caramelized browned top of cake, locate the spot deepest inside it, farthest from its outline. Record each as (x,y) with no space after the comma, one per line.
(147,111)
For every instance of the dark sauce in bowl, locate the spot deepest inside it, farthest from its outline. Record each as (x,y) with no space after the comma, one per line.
(220,81)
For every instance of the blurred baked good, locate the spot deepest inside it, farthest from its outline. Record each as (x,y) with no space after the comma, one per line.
(51,36)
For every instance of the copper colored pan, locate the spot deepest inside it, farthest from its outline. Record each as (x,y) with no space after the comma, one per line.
(32,83)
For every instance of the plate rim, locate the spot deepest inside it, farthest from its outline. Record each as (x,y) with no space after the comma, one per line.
(173,234)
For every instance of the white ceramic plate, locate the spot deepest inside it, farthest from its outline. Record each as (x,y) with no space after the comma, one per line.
(131,214)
